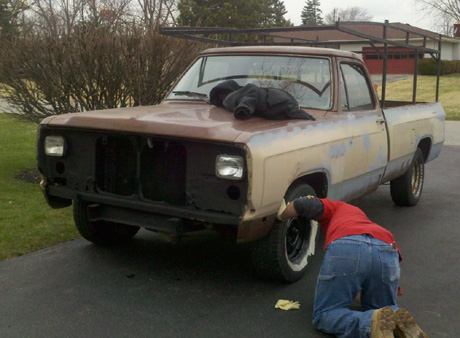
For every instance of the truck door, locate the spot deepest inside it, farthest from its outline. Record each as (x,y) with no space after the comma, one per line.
(363,131)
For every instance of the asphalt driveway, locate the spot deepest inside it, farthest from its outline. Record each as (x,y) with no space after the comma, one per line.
(205,287)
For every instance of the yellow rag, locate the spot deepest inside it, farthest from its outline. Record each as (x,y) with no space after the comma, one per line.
(287,305)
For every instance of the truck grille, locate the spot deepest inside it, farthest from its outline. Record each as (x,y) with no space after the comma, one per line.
(154,170)
(109,168)
(162,172)
(116,166)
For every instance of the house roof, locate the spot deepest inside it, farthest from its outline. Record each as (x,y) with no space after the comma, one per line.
(368,28)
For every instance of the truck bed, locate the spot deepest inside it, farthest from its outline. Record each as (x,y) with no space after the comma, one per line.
(407,124)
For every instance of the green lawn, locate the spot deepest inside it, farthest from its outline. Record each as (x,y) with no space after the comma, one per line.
(27,223)
(449,92)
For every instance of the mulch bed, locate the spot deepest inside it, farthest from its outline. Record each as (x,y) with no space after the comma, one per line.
(29,176)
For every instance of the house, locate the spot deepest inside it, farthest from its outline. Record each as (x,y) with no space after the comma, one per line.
(400,59)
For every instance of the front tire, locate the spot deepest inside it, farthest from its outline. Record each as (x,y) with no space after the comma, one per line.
(407,189)
(101,232)
(285,252)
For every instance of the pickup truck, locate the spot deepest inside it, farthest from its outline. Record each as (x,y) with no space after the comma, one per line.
(185,165)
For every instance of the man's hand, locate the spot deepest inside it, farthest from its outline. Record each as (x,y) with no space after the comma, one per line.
(281,211)
(286,211)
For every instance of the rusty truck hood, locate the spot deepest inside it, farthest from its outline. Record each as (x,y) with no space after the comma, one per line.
(189,119)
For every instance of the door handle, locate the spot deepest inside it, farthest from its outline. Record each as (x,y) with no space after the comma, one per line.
(380,120)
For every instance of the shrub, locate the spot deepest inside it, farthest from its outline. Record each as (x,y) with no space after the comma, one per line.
(57,65)
(429,66)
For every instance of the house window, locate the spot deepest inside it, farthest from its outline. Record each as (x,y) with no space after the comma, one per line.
(372,57)
(400,56)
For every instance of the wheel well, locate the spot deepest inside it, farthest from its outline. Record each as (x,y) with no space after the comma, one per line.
(318,181)
(425,147)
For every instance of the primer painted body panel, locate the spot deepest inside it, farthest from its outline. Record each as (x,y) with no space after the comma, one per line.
(407,126)
(354,150)
(350,149)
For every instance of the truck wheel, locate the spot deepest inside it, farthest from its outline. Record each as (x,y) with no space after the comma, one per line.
(407,189)
(101,232)
(285,252)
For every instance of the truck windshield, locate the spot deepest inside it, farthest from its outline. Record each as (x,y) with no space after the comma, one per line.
(307,79)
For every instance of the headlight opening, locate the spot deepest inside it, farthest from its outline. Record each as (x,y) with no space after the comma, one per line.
(55,146)
(230,167)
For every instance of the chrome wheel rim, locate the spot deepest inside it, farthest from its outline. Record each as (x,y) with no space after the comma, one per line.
(417,175)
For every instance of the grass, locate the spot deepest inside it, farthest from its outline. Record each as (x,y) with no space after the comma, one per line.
(27,223)
(449,92)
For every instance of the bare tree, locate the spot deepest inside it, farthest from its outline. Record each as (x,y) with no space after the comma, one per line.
(77,56)
(156,12)
(451,8)
(59,15)
(348,14)
(444,24)
(442,13)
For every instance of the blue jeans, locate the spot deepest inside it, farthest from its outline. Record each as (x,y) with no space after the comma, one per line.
(353,264)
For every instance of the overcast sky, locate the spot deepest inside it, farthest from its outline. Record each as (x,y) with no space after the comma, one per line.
(393,10)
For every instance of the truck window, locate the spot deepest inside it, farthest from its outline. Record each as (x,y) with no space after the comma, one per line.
(355,92)
(307,79)
(211,70)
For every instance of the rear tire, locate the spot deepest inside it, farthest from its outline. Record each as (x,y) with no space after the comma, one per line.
(101,232)
(285,252)
(406,190)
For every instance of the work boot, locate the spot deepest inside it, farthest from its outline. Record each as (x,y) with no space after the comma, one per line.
(406,326)
(383,323)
